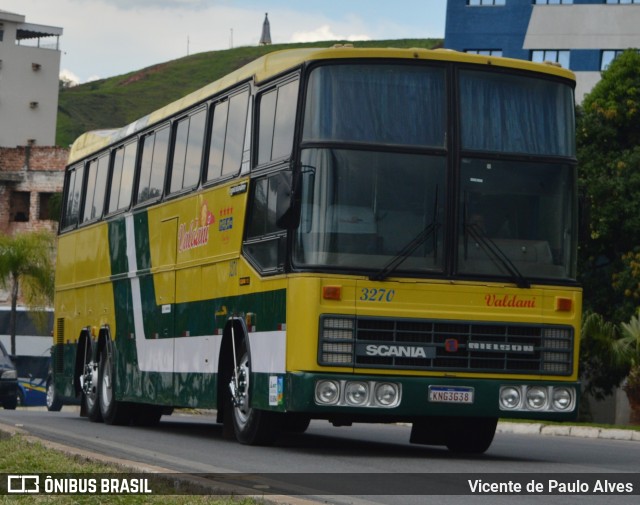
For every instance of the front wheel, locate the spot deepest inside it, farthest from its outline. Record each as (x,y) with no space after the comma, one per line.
(251,426)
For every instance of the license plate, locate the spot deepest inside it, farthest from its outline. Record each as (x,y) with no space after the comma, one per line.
(450,394)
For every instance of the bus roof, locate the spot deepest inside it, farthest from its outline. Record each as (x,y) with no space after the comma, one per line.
(273,64)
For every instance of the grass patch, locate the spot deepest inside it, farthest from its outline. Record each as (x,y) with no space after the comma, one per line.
(21,456)
(120,100)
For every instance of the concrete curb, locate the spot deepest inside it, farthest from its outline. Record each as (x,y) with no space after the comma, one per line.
(560,430)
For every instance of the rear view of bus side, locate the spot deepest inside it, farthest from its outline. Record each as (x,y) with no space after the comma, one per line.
(356,235)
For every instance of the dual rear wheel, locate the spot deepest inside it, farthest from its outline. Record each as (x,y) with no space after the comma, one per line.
(99,399)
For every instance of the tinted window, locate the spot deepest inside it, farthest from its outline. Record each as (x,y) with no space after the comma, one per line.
(124,165)
(74,194)
(509,113)
(267,119)
(285,120)
(377,104)
(277,122)
(187,155)
(234,141)
(96,188)
(153,164)
(227,136)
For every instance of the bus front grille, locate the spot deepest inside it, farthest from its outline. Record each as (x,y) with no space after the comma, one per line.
(455,346)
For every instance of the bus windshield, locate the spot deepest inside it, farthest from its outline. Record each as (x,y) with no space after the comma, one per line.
(374,191)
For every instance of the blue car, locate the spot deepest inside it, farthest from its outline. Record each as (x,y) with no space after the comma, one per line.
(32,380)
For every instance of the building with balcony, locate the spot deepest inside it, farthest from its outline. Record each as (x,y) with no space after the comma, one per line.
(31,167)
(29,76)
(582,35)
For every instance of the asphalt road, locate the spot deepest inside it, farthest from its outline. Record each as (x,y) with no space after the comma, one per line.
(194,444)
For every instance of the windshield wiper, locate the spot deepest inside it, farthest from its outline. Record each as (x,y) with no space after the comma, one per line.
(404,253)
(411,246)
(492,249)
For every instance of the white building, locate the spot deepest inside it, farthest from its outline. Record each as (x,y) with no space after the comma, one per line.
(29,76)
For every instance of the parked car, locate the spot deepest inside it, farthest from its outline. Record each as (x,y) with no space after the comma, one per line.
(33,372)
(8,380)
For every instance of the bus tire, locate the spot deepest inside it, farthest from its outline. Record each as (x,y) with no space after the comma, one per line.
(251,426)
(53,402)
(471,435)
(112,410)
(90,397)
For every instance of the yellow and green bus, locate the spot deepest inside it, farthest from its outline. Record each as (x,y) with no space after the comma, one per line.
(348,234)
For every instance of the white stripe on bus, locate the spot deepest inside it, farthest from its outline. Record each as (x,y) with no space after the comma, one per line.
(198,354)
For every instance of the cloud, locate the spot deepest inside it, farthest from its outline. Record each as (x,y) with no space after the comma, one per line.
(160,4)
(68,76)
(324,32)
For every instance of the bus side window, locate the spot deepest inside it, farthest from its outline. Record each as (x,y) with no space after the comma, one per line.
(75,178)
(96,187)
(276,124)
(265,238)
(187,154)
(153,164)
(124,165)
(227,136)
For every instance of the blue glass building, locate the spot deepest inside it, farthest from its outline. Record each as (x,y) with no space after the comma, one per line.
(583,35)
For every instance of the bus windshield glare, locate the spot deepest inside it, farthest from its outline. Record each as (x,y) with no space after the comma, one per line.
(374,192)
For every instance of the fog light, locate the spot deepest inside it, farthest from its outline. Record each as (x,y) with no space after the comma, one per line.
(386,394)
(536,398)
(510,398)
(562,398)
(356,393)
(327,392)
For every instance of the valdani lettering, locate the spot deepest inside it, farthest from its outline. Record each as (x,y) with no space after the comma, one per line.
(196,233)
(510,301)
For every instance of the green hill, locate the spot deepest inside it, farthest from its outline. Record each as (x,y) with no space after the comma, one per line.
(120,100)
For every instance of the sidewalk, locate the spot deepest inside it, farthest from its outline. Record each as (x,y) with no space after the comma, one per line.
(567,430)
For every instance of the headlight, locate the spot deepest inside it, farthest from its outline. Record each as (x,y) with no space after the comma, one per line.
(562,398)
(536,398)
(510,398)
(9,374)
(356,393)
(347,393)
(529,398)
(327,392)
(386,394)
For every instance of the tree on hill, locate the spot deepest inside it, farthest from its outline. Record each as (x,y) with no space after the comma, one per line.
(608,142)
(26,266)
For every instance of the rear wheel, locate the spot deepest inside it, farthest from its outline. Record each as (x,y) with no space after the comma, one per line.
(90,394)
(251,426)
(112,410)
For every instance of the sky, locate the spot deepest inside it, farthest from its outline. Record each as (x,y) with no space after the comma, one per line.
(103,38)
